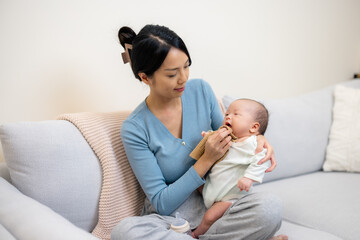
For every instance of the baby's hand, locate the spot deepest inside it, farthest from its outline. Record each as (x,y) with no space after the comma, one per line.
(245,184)
(203,133)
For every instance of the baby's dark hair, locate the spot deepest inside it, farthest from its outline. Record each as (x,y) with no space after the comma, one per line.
(261,115)
(150,47)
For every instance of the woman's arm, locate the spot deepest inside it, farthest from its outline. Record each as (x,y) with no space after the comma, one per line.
(164,197)
(215,147)
(270,155)
(216,115)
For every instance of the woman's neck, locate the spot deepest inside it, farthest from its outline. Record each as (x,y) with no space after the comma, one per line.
(169,113)
(156,104)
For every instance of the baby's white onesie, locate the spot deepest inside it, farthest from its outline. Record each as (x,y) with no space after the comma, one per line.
(241,161)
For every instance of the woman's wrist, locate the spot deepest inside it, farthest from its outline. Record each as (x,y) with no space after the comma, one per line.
(202,166)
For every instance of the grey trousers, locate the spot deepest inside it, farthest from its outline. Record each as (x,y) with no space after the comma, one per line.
(255,216)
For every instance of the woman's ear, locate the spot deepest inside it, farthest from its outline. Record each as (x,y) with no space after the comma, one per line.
(255,128)
(144,78)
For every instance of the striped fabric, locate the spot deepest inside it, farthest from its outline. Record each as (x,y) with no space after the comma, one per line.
(121,195)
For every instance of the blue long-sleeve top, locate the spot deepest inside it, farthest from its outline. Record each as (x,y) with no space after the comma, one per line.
(160,161)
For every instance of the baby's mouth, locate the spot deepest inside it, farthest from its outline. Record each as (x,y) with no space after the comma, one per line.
(228,126)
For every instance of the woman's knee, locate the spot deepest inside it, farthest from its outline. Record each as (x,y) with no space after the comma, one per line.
(269,210)
(151,226)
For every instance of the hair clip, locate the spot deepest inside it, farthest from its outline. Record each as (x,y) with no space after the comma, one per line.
(125,55)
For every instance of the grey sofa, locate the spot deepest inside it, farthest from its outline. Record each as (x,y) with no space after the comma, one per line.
(51,181)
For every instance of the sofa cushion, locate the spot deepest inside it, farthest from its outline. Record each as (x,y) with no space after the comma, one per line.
(4,172)
(121,195)
(52,163)
(298,130)
(326,201)
(26,219)
(4,233)
(343,151)
(299,232)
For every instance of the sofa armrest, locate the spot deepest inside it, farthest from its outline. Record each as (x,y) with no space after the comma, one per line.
(4,234)
(4,172)
(25,218)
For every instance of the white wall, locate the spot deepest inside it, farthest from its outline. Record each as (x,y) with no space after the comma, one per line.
(64,56)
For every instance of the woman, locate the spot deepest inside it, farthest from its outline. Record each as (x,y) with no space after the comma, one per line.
(161,132)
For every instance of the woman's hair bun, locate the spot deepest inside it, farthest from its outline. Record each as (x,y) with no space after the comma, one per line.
(126,35)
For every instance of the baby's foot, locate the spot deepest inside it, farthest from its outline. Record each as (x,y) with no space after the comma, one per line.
(193,235)
(279,237)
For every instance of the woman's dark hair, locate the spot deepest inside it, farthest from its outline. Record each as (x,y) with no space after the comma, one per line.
(150,47)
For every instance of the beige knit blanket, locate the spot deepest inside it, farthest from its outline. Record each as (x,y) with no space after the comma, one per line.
(121,195)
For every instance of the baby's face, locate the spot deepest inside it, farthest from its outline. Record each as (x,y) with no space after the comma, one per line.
(240,117)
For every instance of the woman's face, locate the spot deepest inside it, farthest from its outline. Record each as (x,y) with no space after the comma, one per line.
(170,79)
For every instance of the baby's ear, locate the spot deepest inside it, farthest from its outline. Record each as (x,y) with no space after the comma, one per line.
(255,128)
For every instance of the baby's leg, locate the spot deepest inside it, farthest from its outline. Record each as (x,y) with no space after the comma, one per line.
(215,212)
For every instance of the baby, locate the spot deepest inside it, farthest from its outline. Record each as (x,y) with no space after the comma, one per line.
(232,177)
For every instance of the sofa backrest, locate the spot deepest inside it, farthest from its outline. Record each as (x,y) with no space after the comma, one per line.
(51,162)
(298,130)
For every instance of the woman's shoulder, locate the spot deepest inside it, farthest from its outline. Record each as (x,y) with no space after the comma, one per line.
(136,118)
(197,86)
(197,82)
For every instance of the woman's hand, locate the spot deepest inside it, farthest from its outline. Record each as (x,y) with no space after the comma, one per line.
(270,155)
(216,146)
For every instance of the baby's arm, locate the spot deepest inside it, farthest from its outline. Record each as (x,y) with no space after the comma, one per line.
(254,172)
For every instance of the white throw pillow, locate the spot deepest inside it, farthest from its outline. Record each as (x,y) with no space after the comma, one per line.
(343,150)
